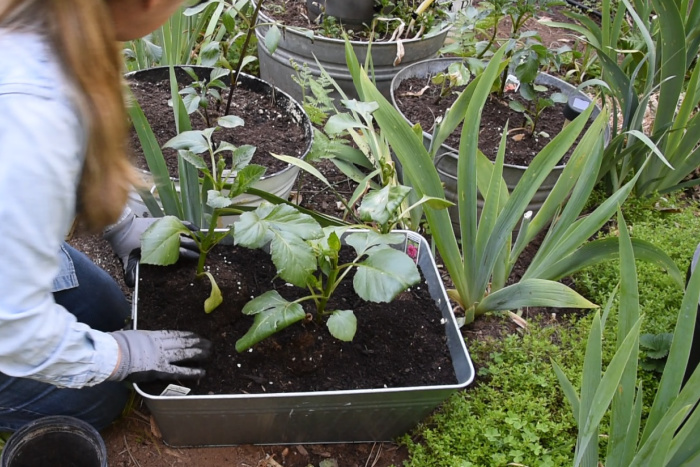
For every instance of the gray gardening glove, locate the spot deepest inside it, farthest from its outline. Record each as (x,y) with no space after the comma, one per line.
(125,239)
(150,355)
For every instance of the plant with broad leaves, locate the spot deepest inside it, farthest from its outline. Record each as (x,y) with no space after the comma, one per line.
(656,347)
(385,204)
(200,95)
(227,174)
(308,256)
(221,47)
(528,59)
(537,102)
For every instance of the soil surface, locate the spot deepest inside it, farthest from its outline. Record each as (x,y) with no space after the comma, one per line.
(419,100)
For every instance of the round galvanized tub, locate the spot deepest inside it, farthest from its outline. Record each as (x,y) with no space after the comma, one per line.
(301,46)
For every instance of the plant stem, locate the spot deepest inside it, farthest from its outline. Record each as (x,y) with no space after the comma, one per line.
(493,37)
(200,263)
(327,289)
(234,75)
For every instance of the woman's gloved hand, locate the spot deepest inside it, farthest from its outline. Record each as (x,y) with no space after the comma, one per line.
(125,239)
(150,355)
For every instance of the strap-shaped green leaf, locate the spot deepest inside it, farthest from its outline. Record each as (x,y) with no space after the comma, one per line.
(192,193)
(154,159)
(593,412)
(624,399)
(569,390)
(418,167)
(476,277)
(607,249)
(685,446)
(666,395)
(534,292)
(530,181)
(590,381)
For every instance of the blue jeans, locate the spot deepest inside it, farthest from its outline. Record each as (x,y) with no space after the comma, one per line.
(99,303)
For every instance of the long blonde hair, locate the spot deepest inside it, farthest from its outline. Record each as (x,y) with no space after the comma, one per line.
(81,34)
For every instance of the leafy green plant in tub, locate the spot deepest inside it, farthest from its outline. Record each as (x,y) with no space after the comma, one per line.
(219,186)
(307,256)
(200,95)
(366,158)
(456,75)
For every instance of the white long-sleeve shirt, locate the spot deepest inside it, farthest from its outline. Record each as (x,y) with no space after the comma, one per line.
(42,148)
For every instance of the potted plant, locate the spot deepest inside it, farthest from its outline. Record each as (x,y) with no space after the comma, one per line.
(197,95)
(392,41)
(660,68)
(304,254)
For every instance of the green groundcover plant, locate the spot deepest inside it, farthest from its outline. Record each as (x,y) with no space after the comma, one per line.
(516,412)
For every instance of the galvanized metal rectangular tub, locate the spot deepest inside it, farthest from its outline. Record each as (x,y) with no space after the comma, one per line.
(315,417)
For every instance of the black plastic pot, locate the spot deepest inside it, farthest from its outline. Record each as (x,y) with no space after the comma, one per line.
(54,441)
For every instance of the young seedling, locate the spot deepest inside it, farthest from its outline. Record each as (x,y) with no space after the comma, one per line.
(527,63)
(200,95)
(456,75)
(220,184)
(308,256)
(533,93)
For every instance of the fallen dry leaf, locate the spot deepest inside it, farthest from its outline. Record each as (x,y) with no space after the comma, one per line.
(415,94)
(399,52)
(517,319)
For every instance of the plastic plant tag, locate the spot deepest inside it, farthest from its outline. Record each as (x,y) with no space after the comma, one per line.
(412,249)
(512,84)
(175,390)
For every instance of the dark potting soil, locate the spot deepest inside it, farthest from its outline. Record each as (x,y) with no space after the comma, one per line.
(266,127)
(397,344)
(521,146)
